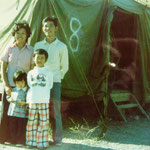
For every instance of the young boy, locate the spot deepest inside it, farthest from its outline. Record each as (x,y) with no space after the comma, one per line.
(59,64)
(40,81)
(17,108)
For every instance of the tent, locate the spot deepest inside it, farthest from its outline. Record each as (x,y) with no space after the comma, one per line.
(90,28)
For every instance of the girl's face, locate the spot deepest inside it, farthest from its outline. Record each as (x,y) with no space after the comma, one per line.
(20,84)
(20,36)
(39,60)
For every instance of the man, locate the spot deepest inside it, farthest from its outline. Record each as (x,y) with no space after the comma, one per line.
(58,63)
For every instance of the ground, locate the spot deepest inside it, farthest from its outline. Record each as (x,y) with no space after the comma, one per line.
(133,135)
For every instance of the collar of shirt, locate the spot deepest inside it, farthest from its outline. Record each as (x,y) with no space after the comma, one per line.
(25,46)
(39,68)
(24,89)
(54,42)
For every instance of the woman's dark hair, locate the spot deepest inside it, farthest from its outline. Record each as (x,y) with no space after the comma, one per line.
(41,52)
(19,76)
(52,18)
(21,24)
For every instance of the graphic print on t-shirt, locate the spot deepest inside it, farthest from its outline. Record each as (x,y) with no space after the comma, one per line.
(38,80)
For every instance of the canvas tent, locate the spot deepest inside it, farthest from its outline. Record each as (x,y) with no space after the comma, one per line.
(89,30)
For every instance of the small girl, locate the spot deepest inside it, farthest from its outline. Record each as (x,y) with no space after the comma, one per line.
(17,108)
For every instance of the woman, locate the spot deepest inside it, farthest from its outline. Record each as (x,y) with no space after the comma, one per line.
(15,58)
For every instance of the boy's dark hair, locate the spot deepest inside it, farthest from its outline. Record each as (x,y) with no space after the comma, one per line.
(41,52)
(52,18)
(19,76)
(21,24)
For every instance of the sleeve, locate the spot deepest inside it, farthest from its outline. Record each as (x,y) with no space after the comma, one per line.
(32,62)
(35,46)
(8,98)
(5,55)
(50,80)
(64,61)
(29,79)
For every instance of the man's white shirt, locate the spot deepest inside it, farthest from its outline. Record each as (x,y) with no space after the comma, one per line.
(57,57)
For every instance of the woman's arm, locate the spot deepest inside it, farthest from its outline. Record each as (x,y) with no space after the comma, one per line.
(4,78)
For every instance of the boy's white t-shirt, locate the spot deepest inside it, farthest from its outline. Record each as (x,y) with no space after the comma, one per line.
(40,82)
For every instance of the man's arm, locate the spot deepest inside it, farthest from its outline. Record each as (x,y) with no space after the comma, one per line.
(29,79)
(64,62)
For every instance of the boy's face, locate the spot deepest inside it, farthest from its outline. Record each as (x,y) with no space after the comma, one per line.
(39,60)
(49,29)
(20,84)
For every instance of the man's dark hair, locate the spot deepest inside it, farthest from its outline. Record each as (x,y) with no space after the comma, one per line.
(19,76)
(51,18)
(41,52)
(21,24)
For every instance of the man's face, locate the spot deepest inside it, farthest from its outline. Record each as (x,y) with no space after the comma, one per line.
(49,29)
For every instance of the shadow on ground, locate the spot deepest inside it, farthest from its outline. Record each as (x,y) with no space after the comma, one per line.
(133,132)
(70,146)
(63,146)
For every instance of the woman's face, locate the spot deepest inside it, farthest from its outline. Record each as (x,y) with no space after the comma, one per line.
(20,36)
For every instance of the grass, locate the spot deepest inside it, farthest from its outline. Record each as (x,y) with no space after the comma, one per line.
(84,130)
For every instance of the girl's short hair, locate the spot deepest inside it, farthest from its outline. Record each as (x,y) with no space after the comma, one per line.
(21,24)
(19,76)
(41,52)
